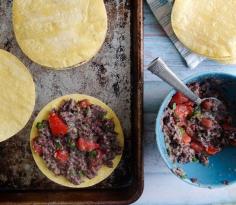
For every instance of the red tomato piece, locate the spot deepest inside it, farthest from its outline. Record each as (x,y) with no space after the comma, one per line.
(81,144)
(37,148)
(207,104)
(57,126)
(61,155)
(190,110)
(182,111)
(186,139)
(86,146)
(182,123)
(189,103)
(179,98)
(207,123)
(84,103)
(197,147)
(212,150)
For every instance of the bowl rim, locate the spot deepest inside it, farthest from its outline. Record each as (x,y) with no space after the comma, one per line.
(158,125)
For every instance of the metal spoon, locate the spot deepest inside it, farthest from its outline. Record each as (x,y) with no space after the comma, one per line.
(160,69)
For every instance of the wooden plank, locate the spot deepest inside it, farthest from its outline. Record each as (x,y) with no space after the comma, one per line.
(167,189)
(153,162)
(161,186)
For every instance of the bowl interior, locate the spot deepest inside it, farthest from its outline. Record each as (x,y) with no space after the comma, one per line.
(222,166)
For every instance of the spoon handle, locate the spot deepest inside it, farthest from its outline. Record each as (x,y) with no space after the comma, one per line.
(160,69)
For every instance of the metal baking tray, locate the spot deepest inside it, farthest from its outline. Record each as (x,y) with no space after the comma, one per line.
(115,76)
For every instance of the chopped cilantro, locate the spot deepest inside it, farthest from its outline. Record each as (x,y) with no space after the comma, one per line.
(176,116)
(195,159)
(58,144)
(72,145)
(182,131)
(168,151)
(68,140)
(85,112)
(197,112)
(39,125)
(93,154)
(174,106)
(81,173)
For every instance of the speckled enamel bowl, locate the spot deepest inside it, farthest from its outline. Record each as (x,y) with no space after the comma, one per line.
(221,170)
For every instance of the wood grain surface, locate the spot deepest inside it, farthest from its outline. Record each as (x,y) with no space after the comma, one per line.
(161,186)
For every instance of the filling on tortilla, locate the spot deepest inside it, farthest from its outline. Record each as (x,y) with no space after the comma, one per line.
(76,140)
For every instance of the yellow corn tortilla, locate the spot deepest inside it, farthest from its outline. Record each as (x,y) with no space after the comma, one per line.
(17,95)
(228,62)
(207,27)
(104,172)
(57,33)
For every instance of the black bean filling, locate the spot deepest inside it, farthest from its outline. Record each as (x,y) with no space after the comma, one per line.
(216,136)
(90,123)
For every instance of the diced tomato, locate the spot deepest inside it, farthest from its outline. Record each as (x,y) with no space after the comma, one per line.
(227,127)
(186,139)
(207,104)
(212,150)
(190,110)
(182,111)
(207,123)
(61,155)
(37,148)
(57,126)
(179,98)
(84,103)
(86,146)
(189,104)
(197,147)
(182,123)
(81,144)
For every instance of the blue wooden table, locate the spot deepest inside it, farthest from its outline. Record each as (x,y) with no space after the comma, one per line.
(161,186)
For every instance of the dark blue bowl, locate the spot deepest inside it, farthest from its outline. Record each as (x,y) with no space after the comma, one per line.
(222,166)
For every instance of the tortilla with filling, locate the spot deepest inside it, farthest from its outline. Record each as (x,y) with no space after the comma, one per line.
(104,172)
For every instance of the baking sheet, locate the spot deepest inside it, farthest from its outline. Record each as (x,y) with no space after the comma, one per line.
(107,76)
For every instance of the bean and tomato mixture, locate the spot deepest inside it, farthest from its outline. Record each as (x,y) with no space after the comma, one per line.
(76,140)
(193,133)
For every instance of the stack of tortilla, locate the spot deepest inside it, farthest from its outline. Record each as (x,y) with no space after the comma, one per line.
(17,95)
(207,27)
(60,34)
